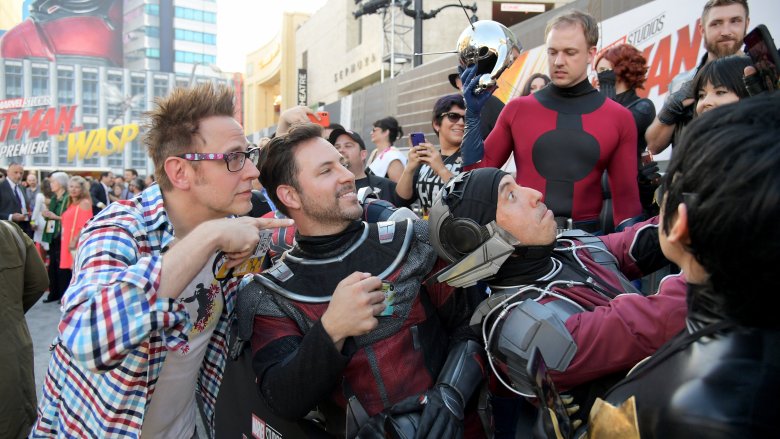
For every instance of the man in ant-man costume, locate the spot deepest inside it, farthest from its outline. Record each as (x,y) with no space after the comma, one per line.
(344,323)
(564,136)
(571,297)
(83,30)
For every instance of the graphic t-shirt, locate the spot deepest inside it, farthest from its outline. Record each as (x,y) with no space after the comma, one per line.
(172,411)
(427,182)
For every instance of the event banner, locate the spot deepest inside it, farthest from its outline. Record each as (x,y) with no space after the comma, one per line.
(666,31)
(27,126)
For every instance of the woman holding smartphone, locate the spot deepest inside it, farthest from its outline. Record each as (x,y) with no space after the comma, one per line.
(428,169)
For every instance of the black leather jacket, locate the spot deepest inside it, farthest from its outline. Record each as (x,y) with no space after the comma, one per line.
(716,379)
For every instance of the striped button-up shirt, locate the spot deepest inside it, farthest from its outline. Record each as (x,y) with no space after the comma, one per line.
(115,329)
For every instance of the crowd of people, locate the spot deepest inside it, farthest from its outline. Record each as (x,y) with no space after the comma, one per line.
(371,321)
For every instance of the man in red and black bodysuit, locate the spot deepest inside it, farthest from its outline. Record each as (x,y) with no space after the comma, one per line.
(344,322)
(563,137)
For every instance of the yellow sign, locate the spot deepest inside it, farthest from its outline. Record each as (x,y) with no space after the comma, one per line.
(100,142)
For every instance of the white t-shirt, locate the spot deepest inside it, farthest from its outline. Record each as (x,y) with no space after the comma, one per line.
(172,411)
(383,159)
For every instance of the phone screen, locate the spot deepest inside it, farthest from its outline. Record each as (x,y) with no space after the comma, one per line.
(417,138)
(763,53)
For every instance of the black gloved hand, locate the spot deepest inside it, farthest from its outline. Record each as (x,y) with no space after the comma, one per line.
(676,109)
(753,82)
(470,79)
(648,173)
(442,414)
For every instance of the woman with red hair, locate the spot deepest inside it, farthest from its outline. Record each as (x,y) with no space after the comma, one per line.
(621,70)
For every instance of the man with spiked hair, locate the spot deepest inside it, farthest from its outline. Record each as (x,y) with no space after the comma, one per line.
(144,320)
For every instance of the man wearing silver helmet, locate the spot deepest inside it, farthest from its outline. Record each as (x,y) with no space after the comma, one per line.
(572,290)
(565,136)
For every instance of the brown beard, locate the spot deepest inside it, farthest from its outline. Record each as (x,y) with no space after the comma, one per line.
(722,52)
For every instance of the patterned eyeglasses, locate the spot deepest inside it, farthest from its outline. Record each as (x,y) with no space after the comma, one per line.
(234,160)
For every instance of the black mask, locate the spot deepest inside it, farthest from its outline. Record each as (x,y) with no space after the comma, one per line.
(607,80)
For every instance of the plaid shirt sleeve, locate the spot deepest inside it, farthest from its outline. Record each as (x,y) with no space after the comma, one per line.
(112,305)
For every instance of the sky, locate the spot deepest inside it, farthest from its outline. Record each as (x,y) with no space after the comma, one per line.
(245,25)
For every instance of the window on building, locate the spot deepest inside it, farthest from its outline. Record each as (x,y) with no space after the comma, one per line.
(152,31)
(13,81)
(116,160)
(138,92)
(65,93)
(93,160)
(138,157)
(192,57)
(40,80)
(42,159)
(195,15)
(152,52)
(89,92)
(195,36)
(160,86)
(62,153)
(152,9)
(115,98)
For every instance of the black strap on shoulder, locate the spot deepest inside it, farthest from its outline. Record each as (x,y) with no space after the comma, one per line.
(599,253)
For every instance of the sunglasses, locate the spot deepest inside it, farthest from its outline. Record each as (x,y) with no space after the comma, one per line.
(453,116)
(234,160)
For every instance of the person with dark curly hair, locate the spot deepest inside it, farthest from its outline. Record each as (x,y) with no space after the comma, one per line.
(536,82)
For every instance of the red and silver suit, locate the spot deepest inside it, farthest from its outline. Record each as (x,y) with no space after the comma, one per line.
(297,365)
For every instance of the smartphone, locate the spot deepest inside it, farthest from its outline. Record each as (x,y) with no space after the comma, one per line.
(762,51)
(324,118)
(417,138)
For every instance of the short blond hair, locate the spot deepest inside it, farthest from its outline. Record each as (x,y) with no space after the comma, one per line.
(175,121)
(589,25)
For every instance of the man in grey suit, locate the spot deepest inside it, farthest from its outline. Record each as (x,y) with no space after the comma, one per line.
(13,199)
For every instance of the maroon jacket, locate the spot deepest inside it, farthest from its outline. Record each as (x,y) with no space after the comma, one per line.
(616,335)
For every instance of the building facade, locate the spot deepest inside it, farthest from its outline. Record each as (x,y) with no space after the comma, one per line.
(266,89)
(73,116)
(77,104)
(171,36)
(337,54)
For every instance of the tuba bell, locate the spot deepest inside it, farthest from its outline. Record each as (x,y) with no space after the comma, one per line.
(488,44)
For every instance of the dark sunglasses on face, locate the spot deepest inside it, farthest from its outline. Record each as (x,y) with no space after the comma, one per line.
(234,160)
(453,116)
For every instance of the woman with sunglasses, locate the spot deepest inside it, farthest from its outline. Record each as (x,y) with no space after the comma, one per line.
(386,160)
(429,169)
